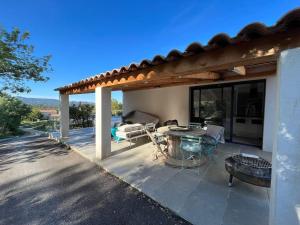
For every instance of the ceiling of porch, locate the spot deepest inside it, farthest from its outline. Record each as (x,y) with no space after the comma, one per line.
(253,52)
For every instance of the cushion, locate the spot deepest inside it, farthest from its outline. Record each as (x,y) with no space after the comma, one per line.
(125,135)
(140,117)
(130,127)
(216,132)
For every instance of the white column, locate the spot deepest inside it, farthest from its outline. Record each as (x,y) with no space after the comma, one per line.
(64,115)
(103,122)
(285,190)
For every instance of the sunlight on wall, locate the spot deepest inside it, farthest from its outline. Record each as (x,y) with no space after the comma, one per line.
(285,165)
(284,131)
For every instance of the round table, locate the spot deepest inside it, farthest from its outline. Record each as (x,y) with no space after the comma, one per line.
(174,152)
(174,139)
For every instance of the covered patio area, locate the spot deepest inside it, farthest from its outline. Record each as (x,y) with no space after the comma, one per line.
(199,196)
(253,92)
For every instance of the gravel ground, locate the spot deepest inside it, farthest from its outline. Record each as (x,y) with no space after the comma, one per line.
(42,183)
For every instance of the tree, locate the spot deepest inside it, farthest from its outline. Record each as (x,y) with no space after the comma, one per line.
(87,114)
(35,115)
(17,62)
(116,107)
(82,115)
(12,111)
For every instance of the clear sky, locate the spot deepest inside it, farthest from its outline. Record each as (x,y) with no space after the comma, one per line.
(88,37)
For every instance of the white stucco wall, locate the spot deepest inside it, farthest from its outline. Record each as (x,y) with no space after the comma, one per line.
(173,103)
(285,195)
(167,103)
(270,115)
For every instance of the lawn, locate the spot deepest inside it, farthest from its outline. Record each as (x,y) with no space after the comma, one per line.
(42,125)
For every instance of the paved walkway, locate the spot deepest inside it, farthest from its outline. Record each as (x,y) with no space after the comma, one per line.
(199,196)
(41,183)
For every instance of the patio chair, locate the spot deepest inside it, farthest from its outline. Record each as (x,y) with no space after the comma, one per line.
(214,135)
(133,126)
(195,125)
(160,143)
(209,145)
(191,149)
(216,132)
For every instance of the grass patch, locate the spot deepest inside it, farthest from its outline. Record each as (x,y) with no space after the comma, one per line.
(42,125)
(12,134)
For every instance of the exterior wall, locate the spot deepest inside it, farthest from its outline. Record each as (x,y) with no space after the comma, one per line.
(285,195)
(173,103)
(270,115)
(166,103)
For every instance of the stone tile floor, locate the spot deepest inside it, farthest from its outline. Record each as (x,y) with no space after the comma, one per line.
(201,196)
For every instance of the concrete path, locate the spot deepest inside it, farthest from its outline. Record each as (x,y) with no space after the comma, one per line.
(41,183)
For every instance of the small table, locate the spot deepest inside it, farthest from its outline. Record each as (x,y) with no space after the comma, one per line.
(250,169)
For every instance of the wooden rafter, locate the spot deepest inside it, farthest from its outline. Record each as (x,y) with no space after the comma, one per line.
(239,70)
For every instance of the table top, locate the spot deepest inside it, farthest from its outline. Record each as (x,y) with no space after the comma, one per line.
(185,133)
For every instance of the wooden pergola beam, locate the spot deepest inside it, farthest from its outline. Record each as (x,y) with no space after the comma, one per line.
(239,70)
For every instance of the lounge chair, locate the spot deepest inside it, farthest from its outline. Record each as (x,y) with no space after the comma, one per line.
(140,117)
(133,126)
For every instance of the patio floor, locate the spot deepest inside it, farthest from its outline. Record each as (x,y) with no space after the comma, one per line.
(201,196)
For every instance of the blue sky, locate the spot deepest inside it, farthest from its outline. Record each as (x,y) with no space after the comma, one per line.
(88,37)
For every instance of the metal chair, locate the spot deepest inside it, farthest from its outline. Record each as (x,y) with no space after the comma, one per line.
(160,142)
(191,148)
(209,145)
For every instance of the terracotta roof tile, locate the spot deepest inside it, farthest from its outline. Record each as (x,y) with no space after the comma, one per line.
(247,33)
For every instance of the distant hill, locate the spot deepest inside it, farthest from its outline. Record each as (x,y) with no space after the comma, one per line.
(45,102)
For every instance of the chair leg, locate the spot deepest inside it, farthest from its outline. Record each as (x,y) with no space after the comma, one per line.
(182,159)
(155,157)
(230,181)
(155,154)
(200,158)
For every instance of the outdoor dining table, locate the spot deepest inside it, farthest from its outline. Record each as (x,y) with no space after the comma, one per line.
(174,139)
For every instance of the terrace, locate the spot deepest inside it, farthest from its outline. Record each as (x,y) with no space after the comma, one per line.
(199,196)
(250,85)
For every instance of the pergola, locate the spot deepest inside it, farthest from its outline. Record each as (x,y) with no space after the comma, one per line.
(256,51)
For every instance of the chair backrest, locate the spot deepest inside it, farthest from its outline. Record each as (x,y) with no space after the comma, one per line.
(140,117)
(195,126)
(170,122)
(150,127)
(190,144)
(216,132)
(191,139)
(152,138)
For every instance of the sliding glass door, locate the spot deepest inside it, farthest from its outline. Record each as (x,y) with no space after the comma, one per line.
(227,107)
(248,113)
(239,107)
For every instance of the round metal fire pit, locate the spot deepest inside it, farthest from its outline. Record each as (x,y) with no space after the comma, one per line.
(250,169)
